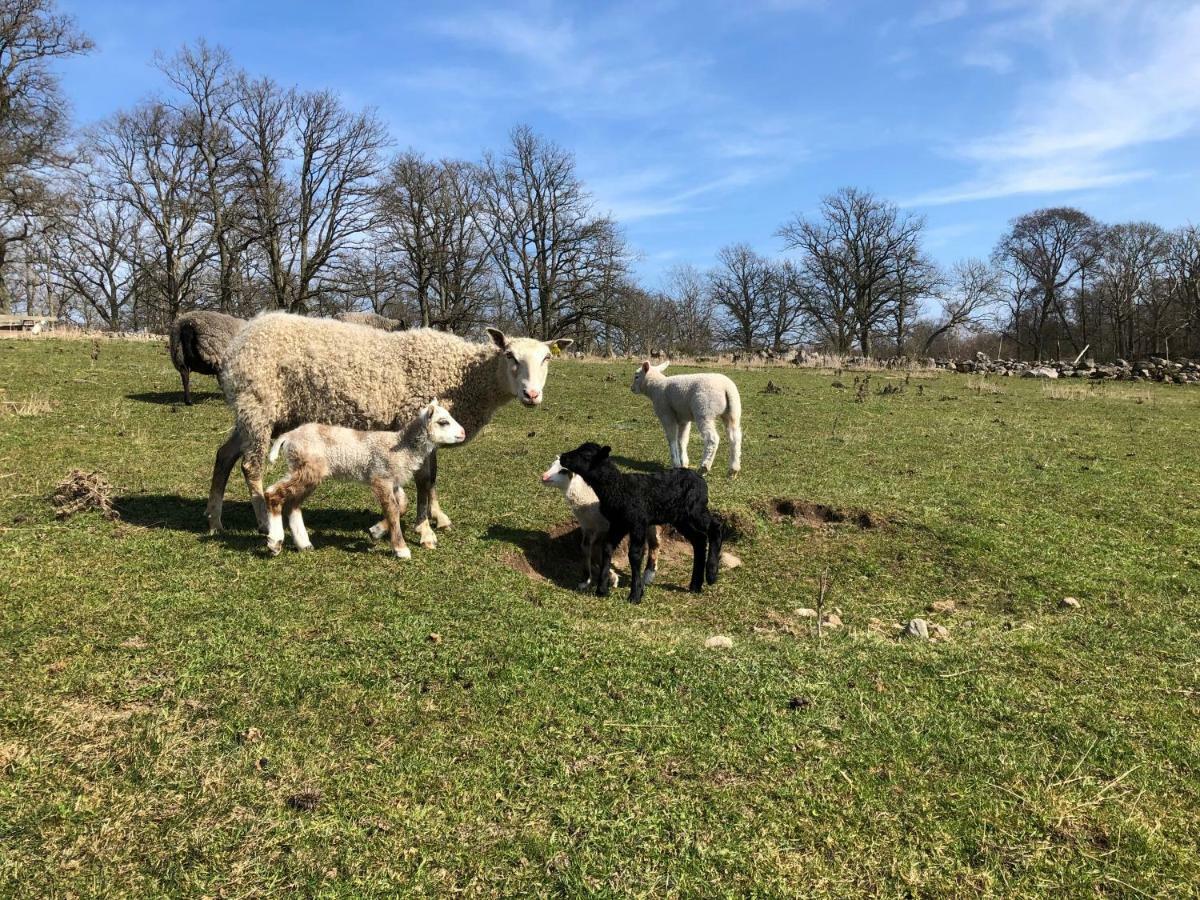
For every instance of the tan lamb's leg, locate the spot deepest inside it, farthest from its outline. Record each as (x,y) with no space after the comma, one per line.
(393,507)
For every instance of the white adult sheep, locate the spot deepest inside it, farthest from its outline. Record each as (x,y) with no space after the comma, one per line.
(282,371)
(385,460)
(593,527)
(702,398)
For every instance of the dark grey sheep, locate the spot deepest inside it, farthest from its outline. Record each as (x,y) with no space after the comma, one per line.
(198,342)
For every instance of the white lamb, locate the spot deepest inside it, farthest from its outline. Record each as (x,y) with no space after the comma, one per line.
(680,400)
(585,507)
(386,460)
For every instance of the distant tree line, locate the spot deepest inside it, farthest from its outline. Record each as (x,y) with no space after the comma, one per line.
(233,192)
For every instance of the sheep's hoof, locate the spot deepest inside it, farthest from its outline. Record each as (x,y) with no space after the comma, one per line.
(429,543)
(648,576)
(403,553)
(635,599)
(274,547)
(584,585)
(733,473)
(602,590)
(377,531)
(304,548)
(696,588)
(443,521)
(705,470)
(264,529)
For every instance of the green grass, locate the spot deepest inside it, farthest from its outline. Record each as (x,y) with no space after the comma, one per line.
(163,694)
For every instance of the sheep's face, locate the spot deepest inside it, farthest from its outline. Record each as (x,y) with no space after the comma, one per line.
(639,377)
(443,429)
(557,476)
(527,363)
(584,458)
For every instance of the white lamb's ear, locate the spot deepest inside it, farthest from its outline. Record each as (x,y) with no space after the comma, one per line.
(663,367)
(498,338)
(646,365)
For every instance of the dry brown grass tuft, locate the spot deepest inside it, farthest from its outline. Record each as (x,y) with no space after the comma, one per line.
(83,490)
(23,409)
(981,385)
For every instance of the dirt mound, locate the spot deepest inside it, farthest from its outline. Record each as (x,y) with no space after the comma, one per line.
(802,512)
(83,490)
(557,555)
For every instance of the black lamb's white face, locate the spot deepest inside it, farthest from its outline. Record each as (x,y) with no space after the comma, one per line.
(527,363)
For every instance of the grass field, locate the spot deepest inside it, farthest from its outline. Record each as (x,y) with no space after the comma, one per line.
(181,714)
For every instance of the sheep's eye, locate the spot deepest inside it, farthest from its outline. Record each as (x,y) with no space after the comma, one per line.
(443,422)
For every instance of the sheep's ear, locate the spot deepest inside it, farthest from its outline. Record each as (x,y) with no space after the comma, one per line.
(663,367)
(646,365)
(498,338)
(603,454)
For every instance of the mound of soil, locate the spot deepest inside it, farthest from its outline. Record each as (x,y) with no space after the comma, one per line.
(802,512)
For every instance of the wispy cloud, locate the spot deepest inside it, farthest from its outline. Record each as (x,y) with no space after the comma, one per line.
(1075,131)
(941,11)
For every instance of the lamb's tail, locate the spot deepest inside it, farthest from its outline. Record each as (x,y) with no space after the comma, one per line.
(276,446)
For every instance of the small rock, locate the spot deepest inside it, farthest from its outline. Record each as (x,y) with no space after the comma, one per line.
(806,613)
(719,642)
(434,638)
(916,628)
(939,633)
(833,620)
(1069,603)
(946,607)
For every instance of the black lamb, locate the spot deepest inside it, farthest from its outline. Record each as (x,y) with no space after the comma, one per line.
(634,503)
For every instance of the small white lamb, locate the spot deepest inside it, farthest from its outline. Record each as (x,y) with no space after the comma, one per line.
(386,460)
(680,400)
(585,507)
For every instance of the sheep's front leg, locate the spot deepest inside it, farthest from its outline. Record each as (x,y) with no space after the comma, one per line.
(637,547)
(440,519)
(185,375)
(712,440)
(604,576)
(671,430)
(652,556)
(299,532)
(254,455)
(685,432)
(424,481)
(587,540)
(227,457)
(275,498)
(386,494)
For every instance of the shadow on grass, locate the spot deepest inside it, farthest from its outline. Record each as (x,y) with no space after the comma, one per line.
(557,556)
(344,528)
(637,465)
(175,398)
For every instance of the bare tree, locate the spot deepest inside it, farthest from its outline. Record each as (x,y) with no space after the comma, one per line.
(742,287)
(205,77)
(373,274)
(1131,269)
(1049,247)
(149,162)
(690,326)
(972,294)
(852,253)
(33,114)
(553,255)
(97,244)
(1183,270)
(432,213)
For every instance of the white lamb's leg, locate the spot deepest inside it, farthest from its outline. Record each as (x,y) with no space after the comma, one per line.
(735,449)
(274,532)
(685,432)
(712,440)
(299,532)
(671,430)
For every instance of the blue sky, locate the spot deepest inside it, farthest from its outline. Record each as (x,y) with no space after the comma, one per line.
(697,124)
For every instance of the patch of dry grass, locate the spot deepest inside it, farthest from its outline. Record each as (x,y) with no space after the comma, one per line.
(22,409)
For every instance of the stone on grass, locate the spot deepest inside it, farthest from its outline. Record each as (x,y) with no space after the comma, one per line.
(805,613)
(939,633)
(832,620)
(719,642)
(916,628)
(1069,603)
(946,607)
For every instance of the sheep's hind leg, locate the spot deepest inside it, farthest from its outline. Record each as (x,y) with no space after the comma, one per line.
(392,510)
(648,576)
(253,455)
(185,375)
(637,547)
(604,579)
(424,481)
(712,440)
(671,430)
(227,457)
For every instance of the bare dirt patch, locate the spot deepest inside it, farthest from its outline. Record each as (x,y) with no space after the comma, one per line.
(557,555)
(816,515)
